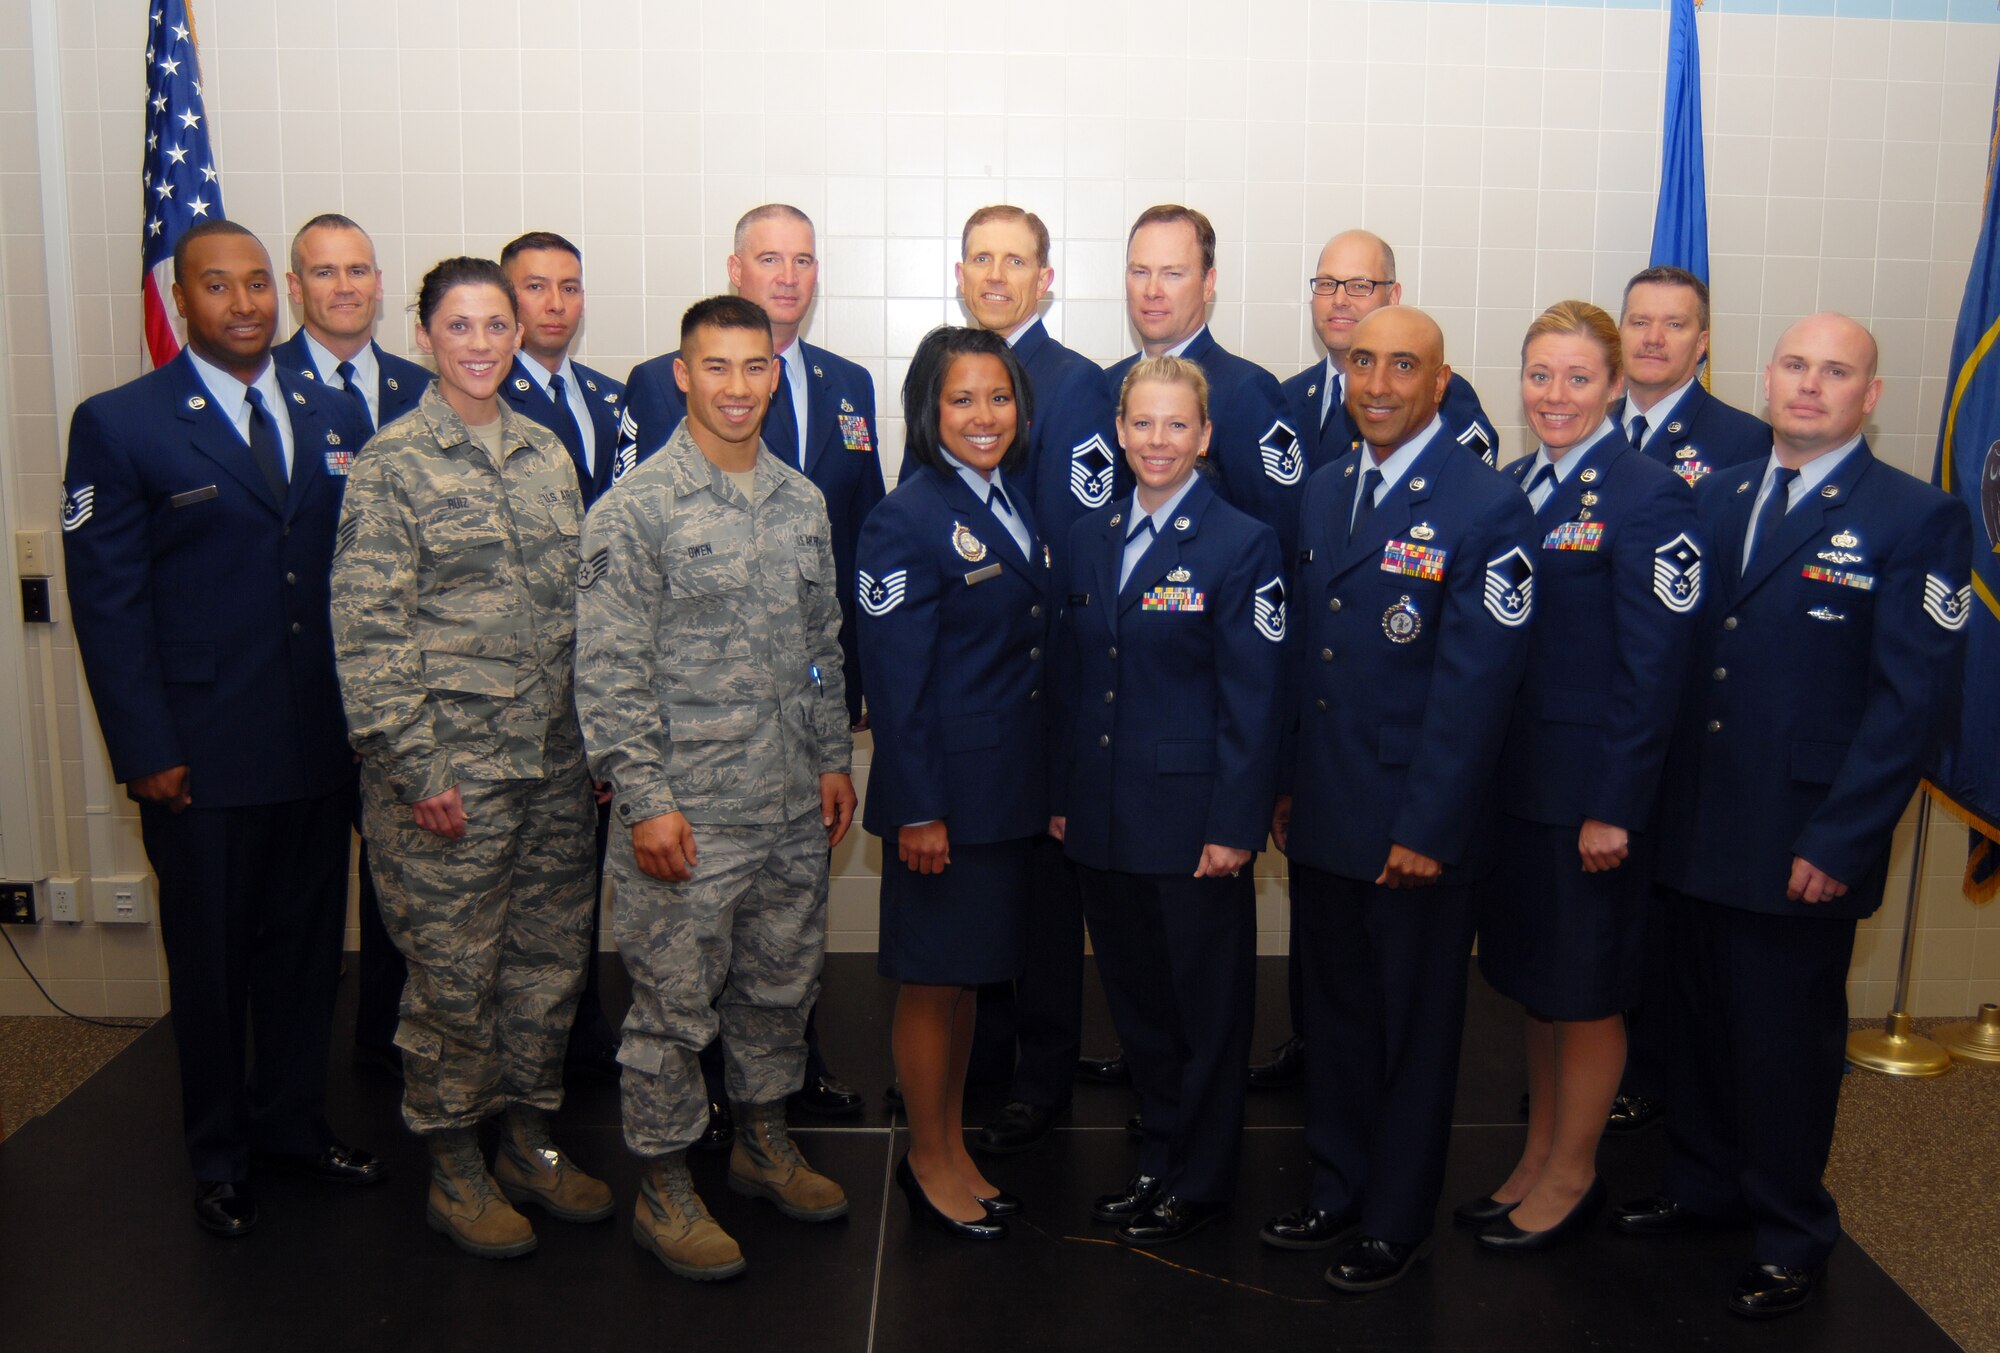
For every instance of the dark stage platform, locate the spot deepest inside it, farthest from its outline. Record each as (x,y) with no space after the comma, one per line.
(105,1255)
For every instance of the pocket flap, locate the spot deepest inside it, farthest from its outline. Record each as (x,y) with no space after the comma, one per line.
(468,675)
(971,734)
(1185,757)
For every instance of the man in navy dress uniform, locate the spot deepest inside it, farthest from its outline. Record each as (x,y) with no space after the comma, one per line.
(1356,277)
(1255,456)
(1411,593)
(821,421)
(1032,1029)
(199,510)
(337,286)
(1826,675)
(580,405)
(1666,413)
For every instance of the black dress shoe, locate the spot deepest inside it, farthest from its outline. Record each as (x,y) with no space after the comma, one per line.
(721,1133)
(923,1209)
(1141,1192)
(1502,1234)
(1168,1220)
(1286,1068)
(1633,1113)
(225,1210)
(827,1097)
(1480,1211)
(1767,1290)
(1112,1070)
(1654,1216)
(1017,1127)
(1001,1204)
(1135,1127)
(1368,1265)
(1308,1228)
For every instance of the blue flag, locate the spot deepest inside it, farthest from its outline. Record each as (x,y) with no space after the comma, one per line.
(1967,776)
(1680,221)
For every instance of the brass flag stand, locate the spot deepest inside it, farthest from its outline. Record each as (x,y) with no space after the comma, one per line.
(1893,1050)
(1973,1040)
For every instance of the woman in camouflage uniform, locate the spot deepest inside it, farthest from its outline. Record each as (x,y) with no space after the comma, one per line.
(454,585)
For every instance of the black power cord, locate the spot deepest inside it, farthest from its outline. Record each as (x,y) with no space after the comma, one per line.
(86,1019)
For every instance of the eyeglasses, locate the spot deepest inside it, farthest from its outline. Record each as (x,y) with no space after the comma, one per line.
(1353,286)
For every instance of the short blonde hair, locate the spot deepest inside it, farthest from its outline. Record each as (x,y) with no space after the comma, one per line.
(1584,320)
(1168,370)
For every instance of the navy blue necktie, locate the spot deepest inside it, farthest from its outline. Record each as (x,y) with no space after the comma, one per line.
(1639,433)
(1771,513)
(1542,476)
(346,373)
(1364,508)
(265,448)
(566,428)
(781,424)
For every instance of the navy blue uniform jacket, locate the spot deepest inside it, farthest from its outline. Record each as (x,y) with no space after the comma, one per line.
(1167,725)
(1255,455)
(1703,436)
(1618,584)
(954,623)
(604,398)
(1824,680)
(201,604)
(1465,420)
(1409,644)
(844,461)
(400,382)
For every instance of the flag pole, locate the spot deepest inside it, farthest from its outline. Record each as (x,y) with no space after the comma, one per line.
(1893,1050)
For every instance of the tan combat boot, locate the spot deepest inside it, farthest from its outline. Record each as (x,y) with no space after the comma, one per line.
(464,1205)
(765,1164)
(530,1169)
(668,1220)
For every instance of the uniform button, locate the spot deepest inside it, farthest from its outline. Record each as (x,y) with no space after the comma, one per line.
(1730,623)
(1109,696)
(1035,694)
(1326,655)
(1104,740)
(292,579)
(1114,652)
(1035,654)
(1321,705)
(297,628)
(1722,674)
(1035,611)
(1715,725)
(1333,604)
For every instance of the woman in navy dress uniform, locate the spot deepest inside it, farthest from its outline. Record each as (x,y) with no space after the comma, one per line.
(1617,588)
(953,607)
(1168,666)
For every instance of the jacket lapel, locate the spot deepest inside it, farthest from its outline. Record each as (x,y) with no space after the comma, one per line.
(1803,522)
(1398,508)
(212,434)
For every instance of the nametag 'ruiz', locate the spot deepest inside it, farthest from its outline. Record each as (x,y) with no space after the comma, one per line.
(193,496)
(980,575)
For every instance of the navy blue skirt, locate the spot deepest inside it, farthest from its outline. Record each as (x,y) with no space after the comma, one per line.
(1563,943)
(963,927)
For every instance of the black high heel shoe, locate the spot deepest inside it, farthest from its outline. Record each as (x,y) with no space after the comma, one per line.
(1480,1211)
(1001,1204)
(923,1209)
(1502,1234)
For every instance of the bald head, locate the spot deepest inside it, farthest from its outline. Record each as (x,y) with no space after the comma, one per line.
(1820,386)
(1396,377)
(1350,256)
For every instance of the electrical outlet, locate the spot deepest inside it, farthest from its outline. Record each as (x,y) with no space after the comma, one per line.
(17,904)
(64,900)
(122,899)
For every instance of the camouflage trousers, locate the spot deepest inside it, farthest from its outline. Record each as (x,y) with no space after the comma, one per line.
(739,945)
(496,927)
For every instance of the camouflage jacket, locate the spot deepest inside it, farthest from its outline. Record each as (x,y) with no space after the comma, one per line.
(708,650)
(454,596)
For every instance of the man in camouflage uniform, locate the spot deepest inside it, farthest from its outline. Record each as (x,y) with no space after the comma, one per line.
(454,624)
(709,684)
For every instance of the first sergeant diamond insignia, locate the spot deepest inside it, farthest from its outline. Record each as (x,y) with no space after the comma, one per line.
(1090,471)
(881,596)
(1949,608)
(1283,456)
(1677,575)
(1510,588)
(1268,610)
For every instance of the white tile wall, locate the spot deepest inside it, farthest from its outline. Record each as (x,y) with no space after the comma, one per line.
(1509,152)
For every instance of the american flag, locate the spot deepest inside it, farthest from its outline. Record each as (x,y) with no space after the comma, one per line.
(180,183)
